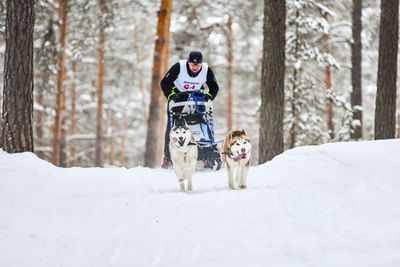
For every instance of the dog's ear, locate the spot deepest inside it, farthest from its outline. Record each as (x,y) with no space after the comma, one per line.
(230,135)
(243,132)
(179,122)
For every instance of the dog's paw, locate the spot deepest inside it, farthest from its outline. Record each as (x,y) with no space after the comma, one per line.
(190,189)
(242,186)
(232,187)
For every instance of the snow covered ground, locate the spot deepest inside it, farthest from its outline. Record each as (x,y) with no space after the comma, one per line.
(329,205)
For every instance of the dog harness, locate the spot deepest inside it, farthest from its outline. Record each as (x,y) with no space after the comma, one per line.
(185,83)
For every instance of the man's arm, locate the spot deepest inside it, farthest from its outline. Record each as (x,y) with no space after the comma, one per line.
(212,84)
(167,83)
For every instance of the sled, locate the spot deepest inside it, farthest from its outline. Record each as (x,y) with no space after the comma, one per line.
(198,115)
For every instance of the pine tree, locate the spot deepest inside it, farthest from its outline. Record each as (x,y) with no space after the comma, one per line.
(100,91)
(385,111)
(356,95)
(59,134)
(272,80)
(17,131)
(156,108)
(305,109)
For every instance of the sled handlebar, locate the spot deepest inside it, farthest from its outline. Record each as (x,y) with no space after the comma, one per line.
(190,103)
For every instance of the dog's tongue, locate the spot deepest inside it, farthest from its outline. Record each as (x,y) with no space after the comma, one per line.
(239,157)
(177,141)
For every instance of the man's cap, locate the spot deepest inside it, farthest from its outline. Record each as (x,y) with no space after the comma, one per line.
(195,57)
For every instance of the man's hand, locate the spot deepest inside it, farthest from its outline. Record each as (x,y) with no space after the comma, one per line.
(207,97)
(173,97)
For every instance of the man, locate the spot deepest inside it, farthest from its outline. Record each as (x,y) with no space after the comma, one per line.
(186,76)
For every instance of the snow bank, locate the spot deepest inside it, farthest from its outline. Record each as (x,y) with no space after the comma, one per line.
(328,205)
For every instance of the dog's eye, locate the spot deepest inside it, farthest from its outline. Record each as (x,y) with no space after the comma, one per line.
(244,143)
(237,144)
(183,132)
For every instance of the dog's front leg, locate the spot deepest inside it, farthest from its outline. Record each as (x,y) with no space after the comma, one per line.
(182,184)
(181,179)
(189,177)
(230,177)
(244,170)
(238,175)
(189,174)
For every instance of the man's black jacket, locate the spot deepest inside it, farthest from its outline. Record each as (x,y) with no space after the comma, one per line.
(168,86)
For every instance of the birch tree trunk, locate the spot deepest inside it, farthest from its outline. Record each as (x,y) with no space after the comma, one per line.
(272,80)
(385,108)
(153,144)
(17,114)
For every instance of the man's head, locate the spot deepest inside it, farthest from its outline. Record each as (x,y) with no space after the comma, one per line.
(195,60)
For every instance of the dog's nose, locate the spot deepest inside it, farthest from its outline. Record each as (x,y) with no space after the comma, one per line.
(180,138)
(243,150)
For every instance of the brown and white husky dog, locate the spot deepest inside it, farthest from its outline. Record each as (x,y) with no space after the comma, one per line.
(236,151)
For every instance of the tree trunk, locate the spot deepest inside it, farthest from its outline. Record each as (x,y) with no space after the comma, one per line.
(111,158)
(153,130)
(40,115)
(99,118)
(45,61)
(272,80)
(385,108)
(328,85)
(61,75)
(295,89)
(163,118)
(229,88)
(140,75)
(17,114)
(74,128)
(122,156)
(356,94)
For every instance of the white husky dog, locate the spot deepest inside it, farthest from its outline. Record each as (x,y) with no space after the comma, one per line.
(236,150)
(183,149)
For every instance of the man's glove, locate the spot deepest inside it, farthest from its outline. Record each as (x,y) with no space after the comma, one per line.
(173,97)
(207,97)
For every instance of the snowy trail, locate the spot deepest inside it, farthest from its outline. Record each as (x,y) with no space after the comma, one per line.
(330,205)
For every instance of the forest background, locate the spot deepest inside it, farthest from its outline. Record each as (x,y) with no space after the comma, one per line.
(106,50)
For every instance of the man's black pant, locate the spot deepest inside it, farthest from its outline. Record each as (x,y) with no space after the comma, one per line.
(167,130)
